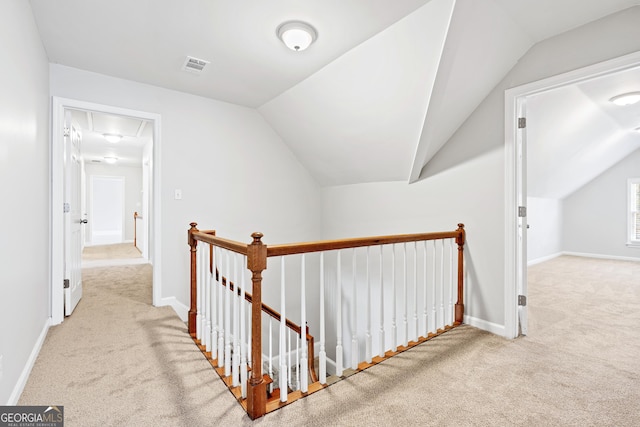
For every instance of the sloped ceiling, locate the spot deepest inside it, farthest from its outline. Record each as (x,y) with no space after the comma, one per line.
(358,118)
(380,92)
(583,135)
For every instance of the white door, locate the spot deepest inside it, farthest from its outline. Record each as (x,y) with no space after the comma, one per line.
(521,144)
(107,209)
(73,216)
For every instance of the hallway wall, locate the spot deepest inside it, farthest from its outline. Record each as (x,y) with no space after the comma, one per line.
(24,191)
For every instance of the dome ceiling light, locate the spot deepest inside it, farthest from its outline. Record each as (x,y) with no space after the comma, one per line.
(626,98)
(297,35)
(112,137)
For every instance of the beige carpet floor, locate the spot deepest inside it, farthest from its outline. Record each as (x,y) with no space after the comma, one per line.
(118,361)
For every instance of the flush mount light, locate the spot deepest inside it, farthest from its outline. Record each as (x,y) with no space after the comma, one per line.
(111,160)
(297,35)
(112,137)
(626,98)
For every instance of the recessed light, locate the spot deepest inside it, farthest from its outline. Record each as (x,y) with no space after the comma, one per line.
(626,98)
(111,160)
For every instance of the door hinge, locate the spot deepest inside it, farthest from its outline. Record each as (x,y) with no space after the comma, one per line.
(522,122)
(522,300)
(66,283)
(522,211)
(66,132)
(66,208)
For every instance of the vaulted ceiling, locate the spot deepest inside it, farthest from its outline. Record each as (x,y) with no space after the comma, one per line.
(382,89)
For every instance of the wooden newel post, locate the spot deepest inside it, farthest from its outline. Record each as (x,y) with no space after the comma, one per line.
(193,243)
(460,239)
(256,387)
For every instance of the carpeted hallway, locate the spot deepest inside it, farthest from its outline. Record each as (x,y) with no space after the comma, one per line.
(119,361)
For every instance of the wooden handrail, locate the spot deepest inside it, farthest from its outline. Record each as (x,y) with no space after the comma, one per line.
(210,238)
(330,245)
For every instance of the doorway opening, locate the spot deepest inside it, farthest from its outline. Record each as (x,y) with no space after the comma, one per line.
(516,215)
(119,187)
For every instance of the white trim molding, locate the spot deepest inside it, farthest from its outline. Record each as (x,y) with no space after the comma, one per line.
(494,328)
(602,256)
(181,310)
(24,375)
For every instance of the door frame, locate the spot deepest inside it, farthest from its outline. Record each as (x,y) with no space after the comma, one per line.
(515,272)
(56,238)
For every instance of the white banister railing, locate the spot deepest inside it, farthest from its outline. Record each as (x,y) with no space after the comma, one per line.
(407,292)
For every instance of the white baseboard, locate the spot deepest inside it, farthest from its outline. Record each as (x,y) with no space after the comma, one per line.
(181,310)
(601,256)
(485,325)
(24,376)
(543,259)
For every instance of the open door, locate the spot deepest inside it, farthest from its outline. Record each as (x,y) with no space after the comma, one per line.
(521,147)
(72,216)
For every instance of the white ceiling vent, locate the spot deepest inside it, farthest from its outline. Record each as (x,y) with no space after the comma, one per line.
(194,65)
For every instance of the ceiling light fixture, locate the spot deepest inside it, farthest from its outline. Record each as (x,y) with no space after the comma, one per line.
(626,98)
(112,137)
(297,35)
(111,160)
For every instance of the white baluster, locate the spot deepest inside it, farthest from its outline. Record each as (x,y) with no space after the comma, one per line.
(283,343)
(297,340)
(339,365)
(451,283)
(394,327)
(367,351)
(271,352)
(322,354)
(425,309)
(207,296)
(434,326)
(415,291)
(304,381)
(248,319)
(354,305)
(221,290)
(214,288)
(243,332)
(202,293)
(405,295)
(198,292)
(227,320)
(441,311)
(289,366)
(235,367)
(381,331)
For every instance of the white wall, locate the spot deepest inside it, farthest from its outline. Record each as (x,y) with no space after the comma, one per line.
(235,173)
(595,216)
(464,182)
(24,191)
(544,237)
(132,193)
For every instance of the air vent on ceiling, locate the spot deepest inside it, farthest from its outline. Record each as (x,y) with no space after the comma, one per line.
(194,65)
(95,161)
